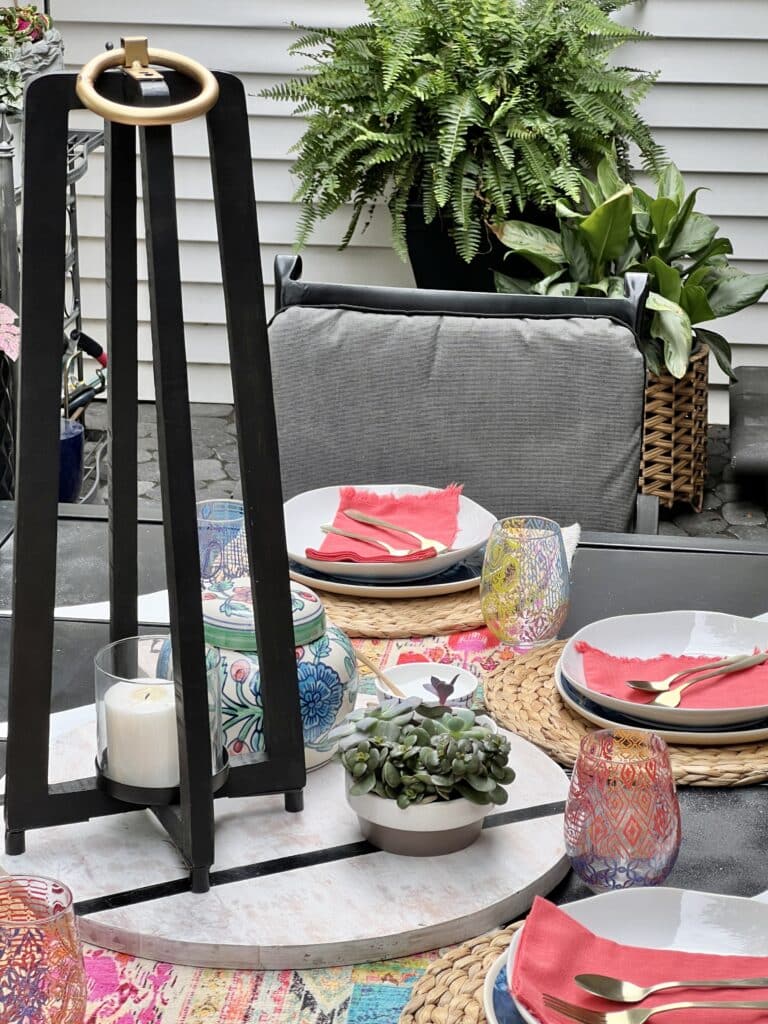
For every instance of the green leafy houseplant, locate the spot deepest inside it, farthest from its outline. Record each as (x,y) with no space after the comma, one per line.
(412,754)
(617,228)
(479,105)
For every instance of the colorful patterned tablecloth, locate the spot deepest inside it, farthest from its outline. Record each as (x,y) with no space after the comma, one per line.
(124,989)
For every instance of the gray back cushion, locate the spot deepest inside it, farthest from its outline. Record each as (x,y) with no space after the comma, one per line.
(537,416)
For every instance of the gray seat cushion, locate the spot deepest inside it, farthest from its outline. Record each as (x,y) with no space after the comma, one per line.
(532,415)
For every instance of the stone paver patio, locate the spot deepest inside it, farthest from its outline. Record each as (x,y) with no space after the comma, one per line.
(730,510)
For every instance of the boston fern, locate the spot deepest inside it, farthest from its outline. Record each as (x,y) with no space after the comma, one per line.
(475,106)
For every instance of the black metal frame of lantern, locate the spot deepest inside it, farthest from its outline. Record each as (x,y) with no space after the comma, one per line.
(30,801)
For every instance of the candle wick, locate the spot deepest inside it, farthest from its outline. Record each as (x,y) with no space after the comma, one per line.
(146,695)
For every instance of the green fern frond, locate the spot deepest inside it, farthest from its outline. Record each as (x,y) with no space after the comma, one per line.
(481,106)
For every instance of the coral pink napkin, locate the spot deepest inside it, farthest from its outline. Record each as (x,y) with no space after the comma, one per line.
(606,673)
(434,514)
(553,948)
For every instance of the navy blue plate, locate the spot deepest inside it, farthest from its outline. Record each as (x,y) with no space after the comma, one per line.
(503,1003)
(469,569)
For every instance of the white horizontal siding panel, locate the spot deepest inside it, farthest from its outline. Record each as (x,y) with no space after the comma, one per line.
(220,47)
(197,223)
(271,137)
(278,224)
(694,149)
(747,327)
(704,19)
(706,61)
(714,152)
(748,235)
(204,302)
(206,384)
(272,179)
(724,194)
(718,405)
(206,343)
(727,193)
(236,13)
(700,106)
(742,355)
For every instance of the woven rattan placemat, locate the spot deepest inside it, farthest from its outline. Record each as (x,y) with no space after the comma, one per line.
(451,990)
(521,696)
(404,616)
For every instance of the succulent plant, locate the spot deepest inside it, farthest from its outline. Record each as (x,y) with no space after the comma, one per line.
(414,754)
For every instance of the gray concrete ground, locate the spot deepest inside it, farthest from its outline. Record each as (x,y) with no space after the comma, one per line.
(730,510)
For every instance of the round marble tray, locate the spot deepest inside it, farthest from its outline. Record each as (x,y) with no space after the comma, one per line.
(295,890)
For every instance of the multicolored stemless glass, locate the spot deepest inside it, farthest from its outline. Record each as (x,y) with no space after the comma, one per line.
(525,586)
(42,977)
(221,538)
(622,818)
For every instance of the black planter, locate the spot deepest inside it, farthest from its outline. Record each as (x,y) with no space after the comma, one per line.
(436,263)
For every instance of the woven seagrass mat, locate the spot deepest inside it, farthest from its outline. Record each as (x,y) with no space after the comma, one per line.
(451,989)
(404,616)
(521,696)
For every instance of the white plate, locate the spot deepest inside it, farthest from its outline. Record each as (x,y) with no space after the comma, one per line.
(305,514)
(676,633)
(690,737)
(692,922)
(411,676)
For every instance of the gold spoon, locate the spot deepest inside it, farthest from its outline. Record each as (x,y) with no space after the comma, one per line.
(395,552)
(424,542)
(627,992)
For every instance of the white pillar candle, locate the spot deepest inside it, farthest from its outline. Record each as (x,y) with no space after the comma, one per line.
(142,742)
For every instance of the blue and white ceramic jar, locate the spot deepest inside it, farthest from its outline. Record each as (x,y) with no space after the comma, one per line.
(325,661)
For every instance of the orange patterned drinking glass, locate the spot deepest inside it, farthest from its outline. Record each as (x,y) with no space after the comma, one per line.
(42,977)
(622,818)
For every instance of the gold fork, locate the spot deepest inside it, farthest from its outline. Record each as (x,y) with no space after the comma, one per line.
(395,552)
(638,1015)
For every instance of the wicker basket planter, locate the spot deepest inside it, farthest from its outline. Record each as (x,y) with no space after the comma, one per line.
(673,463)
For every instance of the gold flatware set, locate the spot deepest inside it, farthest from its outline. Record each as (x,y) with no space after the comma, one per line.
(422,543)
(618,991)
(670,698)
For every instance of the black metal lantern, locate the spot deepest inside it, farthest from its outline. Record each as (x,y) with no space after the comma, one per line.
(131,96)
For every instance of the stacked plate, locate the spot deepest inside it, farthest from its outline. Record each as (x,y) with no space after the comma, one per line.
(649,918)
(450,571)
(678,633)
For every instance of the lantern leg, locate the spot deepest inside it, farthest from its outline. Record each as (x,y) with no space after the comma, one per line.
(15,842)
(294,800)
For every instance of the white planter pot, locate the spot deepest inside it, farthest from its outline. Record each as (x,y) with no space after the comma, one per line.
(421,830)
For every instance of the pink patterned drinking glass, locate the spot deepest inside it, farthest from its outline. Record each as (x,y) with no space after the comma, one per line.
(622,818)
(42,977)
(525,584)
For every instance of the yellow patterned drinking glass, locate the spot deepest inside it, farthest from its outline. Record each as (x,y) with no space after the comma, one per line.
(525,587)
(42,977)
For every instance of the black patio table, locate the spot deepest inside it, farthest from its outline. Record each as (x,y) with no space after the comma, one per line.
(724,829)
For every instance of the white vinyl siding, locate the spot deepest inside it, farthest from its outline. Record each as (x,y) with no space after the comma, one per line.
(709,109)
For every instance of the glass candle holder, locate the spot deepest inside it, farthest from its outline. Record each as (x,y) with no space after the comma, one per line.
(137,738)
(525,584)
(42,977)
(622,817)
(221,539)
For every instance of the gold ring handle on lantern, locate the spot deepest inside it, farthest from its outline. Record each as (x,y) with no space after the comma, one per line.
(135,58)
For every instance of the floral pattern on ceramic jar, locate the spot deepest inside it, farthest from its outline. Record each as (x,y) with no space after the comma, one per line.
(325,662)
